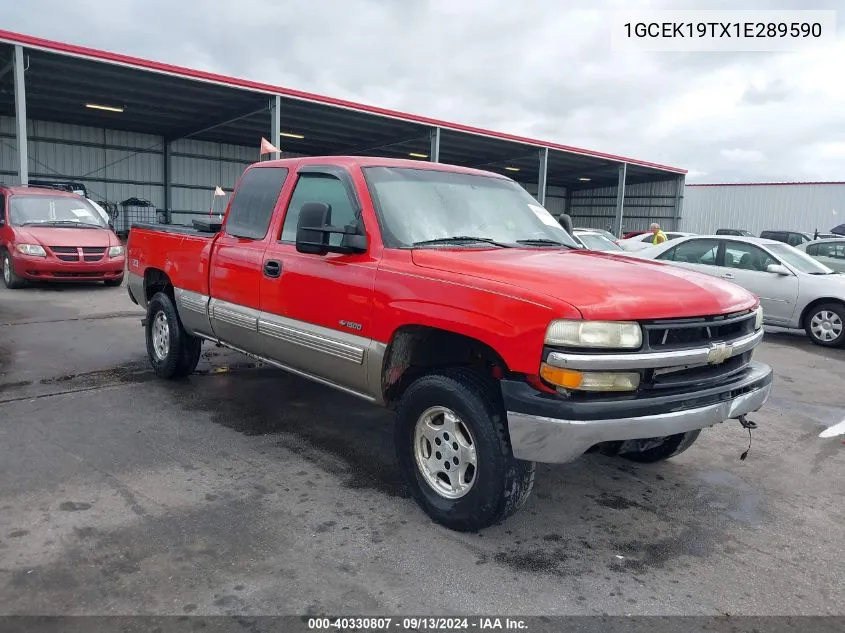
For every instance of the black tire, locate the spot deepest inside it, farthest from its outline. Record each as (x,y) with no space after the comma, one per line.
(182,352)
(114,282)
(501,484)
(10,278)
(671,446)
(837,310)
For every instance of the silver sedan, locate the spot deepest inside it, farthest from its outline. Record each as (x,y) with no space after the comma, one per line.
(795,290)
(830,252)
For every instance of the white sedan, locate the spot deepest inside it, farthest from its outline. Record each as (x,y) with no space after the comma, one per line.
(643,241)
(795,290)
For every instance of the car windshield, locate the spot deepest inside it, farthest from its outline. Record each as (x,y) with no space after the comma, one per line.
(596,242)
(799,260)
(53,211)
(421,206)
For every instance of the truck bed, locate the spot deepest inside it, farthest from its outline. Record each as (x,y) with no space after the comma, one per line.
(181,252)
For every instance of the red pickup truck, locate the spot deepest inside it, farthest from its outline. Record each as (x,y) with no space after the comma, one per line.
(450,295)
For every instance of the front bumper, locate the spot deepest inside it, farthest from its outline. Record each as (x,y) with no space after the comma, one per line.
(52,269)
(548,428)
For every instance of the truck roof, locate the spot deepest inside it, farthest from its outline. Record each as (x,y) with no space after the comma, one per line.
(375,161)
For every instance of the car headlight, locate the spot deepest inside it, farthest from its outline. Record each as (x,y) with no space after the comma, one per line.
(605,334)
(589,380)
(758,318)
(35,250)
(116,251)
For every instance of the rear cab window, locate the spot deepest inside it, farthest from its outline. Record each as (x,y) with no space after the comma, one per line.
(254,201)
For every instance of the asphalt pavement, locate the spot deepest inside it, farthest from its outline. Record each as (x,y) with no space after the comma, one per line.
(243,490)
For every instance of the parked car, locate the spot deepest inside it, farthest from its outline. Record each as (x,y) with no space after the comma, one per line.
(793,238)
(596,241)
(56,236)
(795,290)
(451,296)
(607,234)
(640,242)
(734,232)
(630,234)
(829,251)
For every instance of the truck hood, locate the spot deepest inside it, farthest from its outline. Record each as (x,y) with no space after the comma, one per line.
(60,236)
(599,285)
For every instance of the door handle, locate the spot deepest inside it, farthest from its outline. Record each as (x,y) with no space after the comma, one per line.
(272,268)
(727,275)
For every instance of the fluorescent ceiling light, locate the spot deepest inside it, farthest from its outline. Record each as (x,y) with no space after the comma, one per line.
(107,108)
(584,179)
(416,155)
(512,168)
(291,135)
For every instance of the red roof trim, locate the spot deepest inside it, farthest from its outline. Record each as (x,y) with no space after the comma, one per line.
(764,184)
(146,64)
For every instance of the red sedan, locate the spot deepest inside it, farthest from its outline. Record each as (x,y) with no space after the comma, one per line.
(51,235)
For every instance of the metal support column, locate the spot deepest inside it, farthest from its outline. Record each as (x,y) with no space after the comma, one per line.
(434,153)
(620,200)
(168,179)
(275,122)
(679,201)
(541,178)
(20,117)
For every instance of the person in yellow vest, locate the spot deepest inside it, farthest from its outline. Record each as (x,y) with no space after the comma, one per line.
(659,236)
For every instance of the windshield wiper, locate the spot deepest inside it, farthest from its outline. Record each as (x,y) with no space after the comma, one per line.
(461,238)
(66,223)
(542,242)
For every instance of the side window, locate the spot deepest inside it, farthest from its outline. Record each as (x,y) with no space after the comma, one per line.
(694,252)
(747,257)
(794,239)
(2,208)
(254,201)
(814,249)
(647,238)
(835,250)
(319,188)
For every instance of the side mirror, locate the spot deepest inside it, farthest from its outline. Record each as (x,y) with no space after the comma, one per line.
(566,222)
(314,230)
(777,269)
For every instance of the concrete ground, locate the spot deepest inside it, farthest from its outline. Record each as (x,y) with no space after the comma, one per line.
(243,490)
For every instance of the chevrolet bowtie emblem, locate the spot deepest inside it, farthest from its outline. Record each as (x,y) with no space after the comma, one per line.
(719,353)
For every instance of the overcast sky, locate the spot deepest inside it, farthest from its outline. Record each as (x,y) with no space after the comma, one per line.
(540,68)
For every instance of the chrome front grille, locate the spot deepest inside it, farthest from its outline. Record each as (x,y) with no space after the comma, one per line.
(676,334)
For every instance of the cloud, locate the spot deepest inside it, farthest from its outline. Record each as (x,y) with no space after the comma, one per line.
(544,69)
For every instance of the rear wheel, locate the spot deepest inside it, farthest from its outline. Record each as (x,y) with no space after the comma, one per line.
(825,324)
(173,353)
(656,449)
(452,444)
(10,279)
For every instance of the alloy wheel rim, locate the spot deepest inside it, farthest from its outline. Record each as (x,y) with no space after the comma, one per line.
(826,325)
(161,336)
(7,270)
(444,451)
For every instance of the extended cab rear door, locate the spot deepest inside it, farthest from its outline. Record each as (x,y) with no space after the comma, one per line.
(316,310)
(237,257)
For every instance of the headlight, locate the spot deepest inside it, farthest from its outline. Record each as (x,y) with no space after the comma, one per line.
(590,380)
(32,249)
(758,318)
(116,251)
(609,334)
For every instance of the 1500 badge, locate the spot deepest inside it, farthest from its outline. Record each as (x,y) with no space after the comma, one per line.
(350,324)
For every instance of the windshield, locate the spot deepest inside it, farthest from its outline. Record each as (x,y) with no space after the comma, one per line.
(58,211)
(597,242)
(799,260)
(420,205)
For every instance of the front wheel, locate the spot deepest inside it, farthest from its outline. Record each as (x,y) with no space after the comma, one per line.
(656,449)
(452,445)
(825,324)
(172,351)
(10,279)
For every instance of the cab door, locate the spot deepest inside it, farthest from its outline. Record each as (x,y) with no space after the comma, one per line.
(238,255)
(316,310)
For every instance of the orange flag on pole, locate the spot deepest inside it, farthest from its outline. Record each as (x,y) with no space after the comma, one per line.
(268,148)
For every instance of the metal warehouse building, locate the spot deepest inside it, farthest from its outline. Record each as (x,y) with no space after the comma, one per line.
(756,207)
(160,138)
